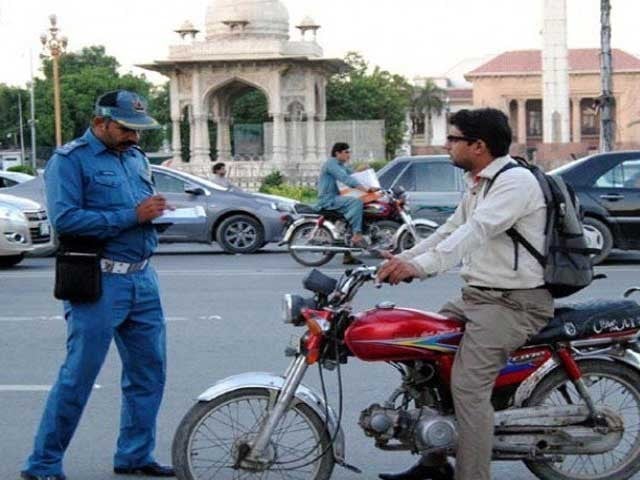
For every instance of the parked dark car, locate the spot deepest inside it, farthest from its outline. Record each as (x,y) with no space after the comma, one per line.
(240,222)
(608,186)
(434,186)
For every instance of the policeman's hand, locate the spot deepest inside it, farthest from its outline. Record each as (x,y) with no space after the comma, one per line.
(396,270)
(151,207)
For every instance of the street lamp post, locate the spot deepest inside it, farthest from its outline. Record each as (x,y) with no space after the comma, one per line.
(55,46)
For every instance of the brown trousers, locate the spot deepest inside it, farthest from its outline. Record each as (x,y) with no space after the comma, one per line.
(496,324)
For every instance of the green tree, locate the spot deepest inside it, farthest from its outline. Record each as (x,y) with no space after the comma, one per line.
(9,116)
(370,94)
(426,101)
(84,76)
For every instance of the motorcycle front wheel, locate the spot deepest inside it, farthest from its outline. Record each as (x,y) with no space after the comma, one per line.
(212,435)
(406,240)
(610,384)
(301,237)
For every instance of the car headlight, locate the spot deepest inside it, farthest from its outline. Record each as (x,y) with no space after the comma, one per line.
(281,207)
(292,306)
(8,213)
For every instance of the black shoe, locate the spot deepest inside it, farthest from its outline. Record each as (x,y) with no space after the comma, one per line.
(150,470)
(31,476)
(422,472)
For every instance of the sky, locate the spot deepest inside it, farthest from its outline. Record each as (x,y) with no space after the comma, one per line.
(409,37)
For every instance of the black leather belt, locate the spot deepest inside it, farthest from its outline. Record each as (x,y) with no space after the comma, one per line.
(494,289)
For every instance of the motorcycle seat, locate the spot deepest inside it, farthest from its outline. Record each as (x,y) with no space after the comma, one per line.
(331,215)
(574,321)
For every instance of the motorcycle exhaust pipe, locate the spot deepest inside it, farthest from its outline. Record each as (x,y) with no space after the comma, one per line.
(323,249)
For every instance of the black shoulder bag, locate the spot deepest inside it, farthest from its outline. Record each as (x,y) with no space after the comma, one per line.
(78,273)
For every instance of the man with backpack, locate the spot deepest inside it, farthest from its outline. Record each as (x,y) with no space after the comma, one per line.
(505,300)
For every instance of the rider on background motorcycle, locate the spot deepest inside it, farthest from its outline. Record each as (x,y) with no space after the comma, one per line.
(503,302)
(335,170)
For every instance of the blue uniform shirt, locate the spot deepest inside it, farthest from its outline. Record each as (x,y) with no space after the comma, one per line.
(333,172)
(94,191)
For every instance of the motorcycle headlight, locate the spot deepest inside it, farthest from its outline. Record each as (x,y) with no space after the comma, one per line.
(292,306)
(14,214)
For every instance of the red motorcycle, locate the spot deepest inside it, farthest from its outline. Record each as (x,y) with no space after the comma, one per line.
(315,237)
(567,404)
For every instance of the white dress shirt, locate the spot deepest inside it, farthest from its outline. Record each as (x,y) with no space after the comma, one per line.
(476,233)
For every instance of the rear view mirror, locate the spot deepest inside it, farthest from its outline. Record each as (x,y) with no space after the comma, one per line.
(194,189)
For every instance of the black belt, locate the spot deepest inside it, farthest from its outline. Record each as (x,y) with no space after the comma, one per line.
(494,289)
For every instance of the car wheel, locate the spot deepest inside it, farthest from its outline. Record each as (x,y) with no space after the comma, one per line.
(10,260)
(607,238)
(240,234)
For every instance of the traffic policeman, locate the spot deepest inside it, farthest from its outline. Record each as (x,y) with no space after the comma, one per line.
(99,186)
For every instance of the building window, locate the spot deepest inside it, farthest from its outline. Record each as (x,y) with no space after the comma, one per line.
(534,118)
(418,124)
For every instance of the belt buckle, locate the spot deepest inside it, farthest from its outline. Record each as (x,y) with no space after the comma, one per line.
(120,267)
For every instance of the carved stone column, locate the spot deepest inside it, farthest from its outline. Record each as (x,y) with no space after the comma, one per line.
(322,138)
(576,121)
(279,139)
(223,141)
(176,142)
(199,149)
(522,121)
(310,153)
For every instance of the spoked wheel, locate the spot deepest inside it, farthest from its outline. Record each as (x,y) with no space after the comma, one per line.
(407,241)
(382,234)
(212,440)
(610,384)
(302,236)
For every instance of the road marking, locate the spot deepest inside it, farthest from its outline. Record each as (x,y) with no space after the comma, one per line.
(33,388)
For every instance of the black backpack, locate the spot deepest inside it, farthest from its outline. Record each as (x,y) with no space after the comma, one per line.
(566,258)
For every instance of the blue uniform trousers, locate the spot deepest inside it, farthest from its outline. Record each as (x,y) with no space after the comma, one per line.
(130,312)
(351,208)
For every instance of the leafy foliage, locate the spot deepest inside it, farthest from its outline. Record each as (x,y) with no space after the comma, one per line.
(426,101)
(274,179)
(302,194)
(365,94)
(22,169)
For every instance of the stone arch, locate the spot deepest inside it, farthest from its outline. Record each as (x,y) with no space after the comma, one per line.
(216,88)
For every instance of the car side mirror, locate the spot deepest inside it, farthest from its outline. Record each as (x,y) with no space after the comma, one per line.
(194,189)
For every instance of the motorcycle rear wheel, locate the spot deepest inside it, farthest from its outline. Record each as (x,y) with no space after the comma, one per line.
(208,439)
(406,240)
(613,384)
(300,237)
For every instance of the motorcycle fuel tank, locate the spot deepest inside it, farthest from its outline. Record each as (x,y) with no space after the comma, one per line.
(395,334)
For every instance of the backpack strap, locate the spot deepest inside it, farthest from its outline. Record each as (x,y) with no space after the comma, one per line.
(517,237)
(492,180)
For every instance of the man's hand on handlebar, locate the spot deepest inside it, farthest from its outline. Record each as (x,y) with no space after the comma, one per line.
(396,270)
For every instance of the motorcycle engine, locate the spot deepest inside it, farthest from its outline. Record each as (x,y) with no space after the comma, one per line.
(421,429)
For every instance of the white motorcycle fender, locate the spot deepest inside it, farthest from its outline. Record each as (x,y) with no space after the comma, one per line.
(311,220)
(525,389)
(274,382)
(416,221)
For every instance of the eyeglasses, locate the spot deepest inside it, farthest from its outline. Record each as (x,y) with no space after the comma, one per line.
(459,138)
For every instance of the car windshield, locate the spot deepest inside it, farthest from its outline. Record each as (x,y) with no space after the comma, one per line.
(196,179)
(568,166)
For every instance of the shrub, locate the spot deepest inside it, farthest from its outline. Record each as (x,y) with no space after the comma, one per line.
(301,194)
(21,169)
(274,179)
(377,164)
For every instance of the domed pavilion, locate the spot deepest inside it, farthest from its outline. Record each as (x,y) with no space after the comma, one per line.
(246,46)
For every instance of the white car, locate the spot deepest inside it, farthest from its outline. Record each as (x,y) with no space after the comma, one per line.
(24,228)
(9,179)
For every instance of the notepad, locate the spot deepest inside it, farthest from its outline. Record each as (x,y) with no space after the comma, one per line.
(182,215)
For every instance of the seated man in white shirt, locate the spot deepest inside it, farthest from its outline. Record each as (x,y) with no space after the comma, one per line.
(220,175)
(503,302)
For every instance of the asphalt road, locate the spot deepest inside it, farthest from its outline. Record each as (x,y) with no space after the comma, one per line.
(223,317)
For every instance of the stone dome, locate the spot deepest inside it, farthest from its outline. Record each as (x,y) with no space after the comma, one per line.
(260,18)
